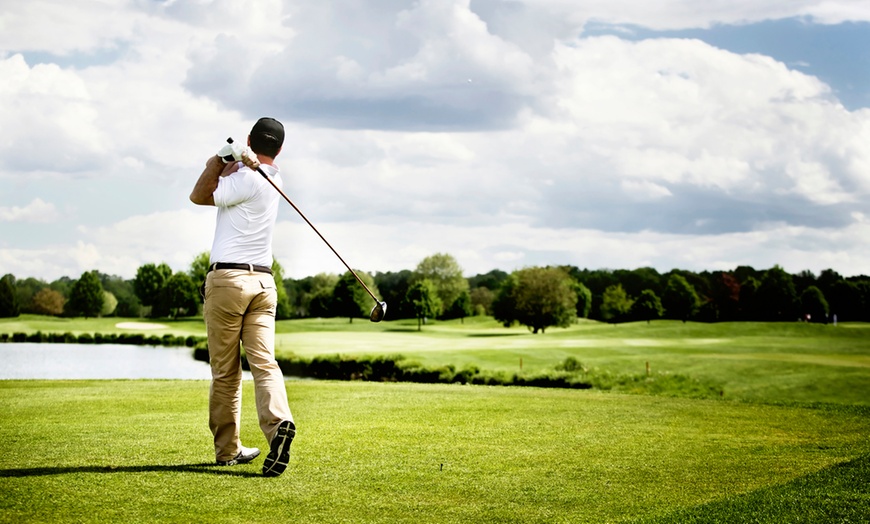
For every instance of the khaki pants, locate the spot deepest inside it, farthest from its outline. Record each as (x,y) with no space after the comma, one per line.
(239,308)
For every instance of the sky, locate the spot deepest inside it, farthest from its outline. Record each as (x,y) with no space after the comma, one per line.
(602,134)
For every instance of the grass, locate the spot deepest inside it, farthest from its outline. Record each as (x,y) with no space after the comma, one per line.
(137,451)
(788,441)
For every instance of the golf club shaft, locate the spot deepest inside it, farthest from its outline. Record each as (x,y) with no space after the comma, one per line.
(358,279)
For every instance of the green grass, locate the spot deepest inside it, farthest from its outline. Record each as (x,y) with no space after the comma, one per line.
(789,441)
(137,451)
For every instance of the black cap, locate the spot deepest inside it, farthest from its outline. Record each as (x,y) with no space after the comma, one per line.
(267,136)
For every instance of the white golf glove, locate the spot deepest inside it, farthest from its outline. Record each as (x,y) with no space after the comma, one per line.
(233,151)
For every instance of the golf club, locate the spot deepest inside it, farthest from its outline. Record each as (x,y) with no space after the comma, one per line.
(380,308)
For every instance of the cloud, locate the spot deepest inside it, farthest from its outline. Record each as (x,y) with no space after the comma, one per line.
(35,212)
(591,151)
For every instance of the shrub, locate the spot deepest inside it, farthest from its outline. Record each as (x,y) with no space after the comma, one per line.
(85,338)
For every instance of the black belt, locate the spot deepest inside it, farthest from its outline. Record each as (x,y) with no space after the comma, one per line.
(249,267)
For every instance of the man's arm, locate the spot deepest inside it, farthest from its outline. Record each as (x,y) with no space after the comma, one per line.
(203,191)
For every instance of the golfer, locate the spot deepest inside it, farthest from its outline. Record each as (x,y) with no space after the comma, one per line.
(241,297)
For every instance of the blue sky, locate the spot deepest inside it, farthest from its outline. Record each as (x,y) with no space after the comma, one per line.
(838,54)
(507,133)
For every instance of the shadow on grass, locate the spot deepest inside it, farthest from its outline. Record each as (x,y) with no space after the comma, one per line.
(838,493)
(208,468)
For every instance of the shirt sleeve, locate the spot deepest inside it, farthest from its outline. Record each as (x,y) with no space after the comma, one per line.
(233,189)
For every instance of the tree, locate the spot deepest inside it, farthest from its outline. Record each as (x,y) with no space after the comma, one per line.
(149,283)
(748,302)
(481,300)
(181,295)
(647,306)
(394,288)
(538,298)
(584,300)
(814,305)
(491,280)
(777,297)
(284,309)
(845,300)
(109,304)
(86,296)
(47,301)
(317,287)
(461,307)
(679,298)
(423,297)
(199,268)
(445,274)
(615,304)
(725,295)
(8,298)
(350,299)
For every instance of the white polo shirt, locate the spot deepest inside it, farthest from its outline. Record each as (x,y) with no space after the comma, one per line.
(247,209)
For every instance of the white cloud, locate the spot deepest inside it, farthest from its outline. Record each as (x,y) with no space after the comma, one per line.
(597,152)
(36,212)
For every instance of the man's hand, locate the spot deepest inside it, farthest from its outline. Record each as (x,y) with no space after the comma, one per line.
(234,151)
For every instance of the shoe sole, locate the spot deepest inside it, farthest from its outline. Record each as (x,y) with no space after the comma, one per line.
(279,451)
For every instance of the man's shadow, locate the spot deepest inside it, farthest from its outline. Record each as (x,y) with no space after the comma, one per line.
(208,468)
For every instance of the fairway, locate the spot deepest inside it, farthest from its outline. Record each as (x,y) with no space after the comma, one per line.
(138,451)
(787,440)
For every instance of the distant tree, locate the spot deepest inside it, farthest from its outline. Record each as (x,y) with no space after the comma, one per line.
(181,295)
(110,303)
(320,304)
(647,307)
(423,296)
(461,307)
(615,304)
(679,298)
(199,268)
(25,290)
(284,309)
(315,294)
(128,304)
(394,288)
(725,296)
(846,300)
(803,280)
(777,298)
(86,296)
(813,303)
(148,286)
(8,299)
(637,280)
(47,301)
(444,272)
(584,300)
(537,297)
(491,280)
(349,299)
(481,300)
(748,302)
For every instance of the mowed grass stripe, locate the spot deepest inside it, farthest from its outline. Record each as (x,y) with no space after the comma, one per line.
(88,451)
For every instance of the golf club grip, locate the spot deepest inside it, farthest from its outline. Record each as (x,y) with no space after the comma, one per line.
(278,189)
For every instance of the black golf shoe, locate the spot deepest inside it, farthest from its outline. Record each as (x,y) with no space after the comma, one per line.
(245,455)
(279,452)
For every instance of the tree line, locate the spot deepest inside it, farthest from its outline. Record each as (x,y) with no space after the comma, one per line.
(537,297)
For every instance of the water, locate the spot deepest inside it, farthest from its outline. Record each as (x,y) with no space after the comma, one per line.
(99,361)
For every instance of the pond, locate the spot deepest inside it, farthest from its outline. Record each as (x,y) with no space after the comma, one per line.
(99,361)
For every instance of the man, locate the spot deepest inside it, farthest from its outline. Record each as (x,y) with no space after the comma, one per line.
(241,297)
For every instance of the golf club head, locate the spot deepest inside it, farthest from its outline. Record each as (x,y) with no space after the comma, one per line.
(378,312)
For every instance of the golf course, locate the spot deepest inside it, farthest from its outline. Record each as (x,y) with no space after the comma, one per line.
(684,422)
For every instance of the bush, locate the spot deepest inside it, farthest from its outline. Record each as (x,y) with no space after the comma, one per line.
(85,338)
